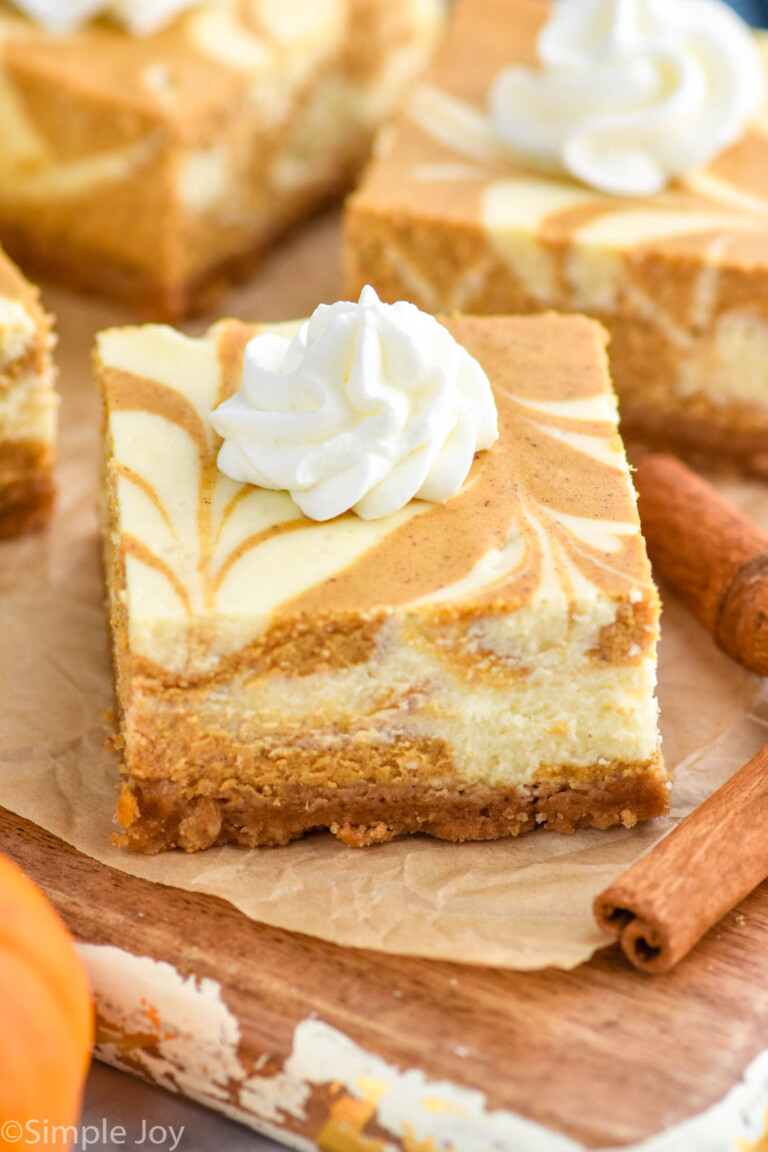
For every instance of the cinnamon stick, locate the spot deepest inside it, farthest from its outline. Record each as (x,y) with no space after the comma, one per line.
(714,556)
(665,902)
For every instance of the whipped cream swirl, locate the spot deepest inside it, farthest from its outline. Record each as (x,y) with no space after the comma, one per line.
(139,17)
(369,406)
(632,93)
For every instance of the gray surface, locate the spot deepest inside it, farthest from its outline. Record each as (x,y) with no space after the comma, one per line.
(754,10)
(114,1099)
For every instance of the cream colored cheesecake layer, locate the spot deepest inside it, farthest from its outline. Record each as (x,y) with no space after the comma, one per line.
(568,246)
(28,402)
(17,332)
(28,408)
(544,534)
(498,731)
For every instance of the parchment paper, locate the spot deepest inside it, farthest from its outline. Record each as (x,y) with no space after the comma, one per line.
(519,904)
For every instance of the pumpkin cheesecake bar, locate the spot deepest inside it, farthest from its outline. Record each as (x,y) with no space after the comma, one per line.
(156,168)
(470,669)
(28,406)
(451,215)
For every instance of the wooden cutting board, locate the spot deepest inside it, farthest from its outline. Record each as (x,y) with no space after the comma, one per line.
(301,1039)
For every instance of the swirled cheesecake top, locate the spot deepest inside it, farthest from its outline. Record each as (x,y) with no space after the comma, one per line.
(547,514)
(202,58)
(445,160)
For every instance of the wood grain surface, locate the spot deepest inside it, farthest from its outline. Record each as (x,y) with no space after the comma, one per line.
(603,1054)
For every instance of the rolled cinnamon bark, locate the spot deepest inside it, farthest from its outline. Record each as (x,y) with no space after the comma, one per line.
(662,906)
(714,556)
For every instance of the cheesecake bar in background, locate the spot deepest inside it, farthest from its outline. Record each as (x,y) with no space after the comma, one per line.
(154,161)
(28,406)
(438,618)
(552,159)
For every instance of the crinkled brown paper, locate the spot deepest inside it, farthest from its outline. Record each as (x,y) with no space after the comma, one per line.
(514,903)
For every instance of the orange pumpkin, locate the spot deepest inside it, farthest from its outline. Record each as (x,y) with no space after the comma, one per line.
(46,1019)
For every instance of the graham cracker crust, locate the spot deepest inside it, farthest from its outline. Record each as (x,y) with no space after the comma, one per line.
(156,815)
(26,488)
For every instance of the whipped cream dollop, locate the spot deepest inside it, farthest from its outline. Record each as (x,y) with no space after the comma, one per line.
(367,407)
(139,17)
(632,93)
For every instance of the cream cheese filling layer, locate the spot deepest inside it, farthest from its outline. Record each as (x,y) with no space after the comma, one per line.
(28,408)
(571,711)
(729,362)
(17,331)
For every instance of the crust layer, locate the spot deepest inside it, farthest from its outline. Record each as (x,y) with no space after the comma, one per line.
(26,487)
(157,815)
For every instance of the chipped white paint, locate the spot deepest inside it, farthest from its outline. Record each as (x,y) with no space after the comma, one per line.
(194,1029)
(186,1039)
(414,1108)
(410,1106)
(193,1047)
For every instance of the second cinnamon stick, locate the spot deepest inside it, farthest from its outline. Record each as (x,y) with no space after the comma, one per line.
(713,555)
(665,902)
